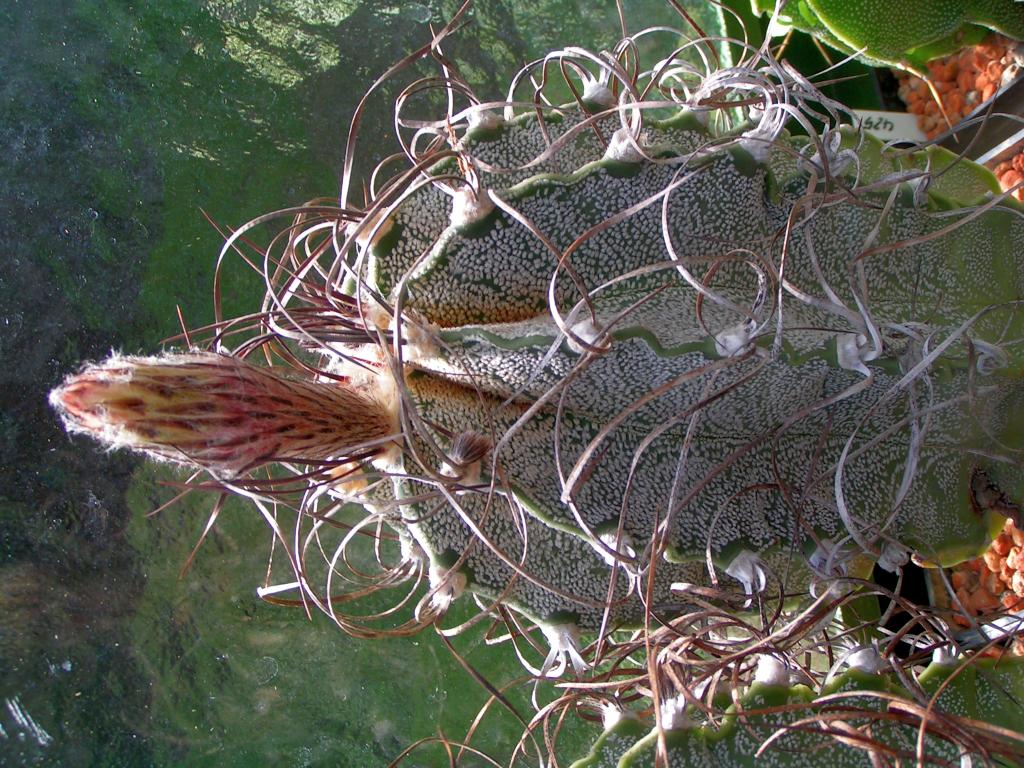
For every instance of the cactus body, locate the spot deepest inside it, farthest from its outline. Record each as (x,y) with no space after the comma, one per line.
(727,428)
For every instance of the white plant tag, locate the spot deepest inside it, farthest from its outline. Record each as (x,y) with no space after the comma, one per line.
(891,126)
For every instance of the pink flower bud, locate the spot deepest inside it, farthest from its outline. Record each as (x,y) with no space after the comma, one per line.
(221,413)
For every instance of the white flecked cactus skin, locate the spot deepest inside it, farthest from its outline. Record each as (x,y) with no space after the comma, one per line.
(666,380)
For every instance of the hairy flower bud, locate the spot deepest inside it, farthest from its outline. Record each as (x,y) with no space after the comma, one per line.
(220,413)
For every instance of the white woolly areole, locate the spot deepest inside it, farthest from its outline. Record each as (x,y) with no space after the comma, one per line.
(723,687)
(826,563)
(1009,74)
(448,584)
(468,207)
(411,549)
(441,576)
(372,231)
(585,330)
(826,560)
(623,147)
(624,547)
(758,146)
(733,341)
(419,336)
(564,640)
(893,557)
(833,588)
(771,670)
(867,660)
(466,474)
(384,390)
(597,92)
(674,716)
(920,185)
(612,714)
(760,140)
(483,119)
(375,313)
(852,352)
(838,159)
(746,568)
(945,656)
(990,358)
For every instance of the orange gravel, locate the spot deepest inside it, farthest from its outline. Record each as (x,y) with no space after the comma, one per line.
(1011,172)
(994,581)
(963,81)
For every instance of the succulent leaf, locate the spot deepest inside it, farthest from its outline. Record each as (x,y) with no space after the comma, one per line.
(913,32)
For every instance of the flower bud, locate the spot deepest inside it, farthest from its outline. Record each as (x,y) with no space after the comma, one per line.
(221,413)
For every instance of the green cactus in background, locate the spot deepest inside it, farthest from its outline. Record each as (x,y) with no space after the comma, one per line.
(905,35)
(657,377)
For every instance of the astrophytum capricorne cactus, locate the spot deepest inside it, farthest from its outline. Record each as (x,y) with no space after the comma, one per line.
(660,377)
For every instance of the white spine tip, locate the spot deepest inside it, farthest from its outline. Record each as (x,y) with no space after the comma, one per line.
(277,589)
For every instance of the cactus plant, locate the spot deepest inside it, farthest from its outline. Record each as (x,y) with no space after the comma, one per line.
(657,377)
